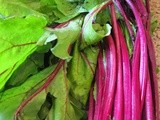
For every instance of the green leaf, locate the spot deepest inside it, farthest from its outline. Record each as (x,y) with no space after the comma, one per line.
(48,36)
(158,70)
(103,17)
(44,48)
(48,7)
(18,8)
(90,33)
(66,35)
(69,9)
(59,88)
(90,4)
(11,99)
(80,73)
(61,10)
(46,108)
(154,24)
(18,38)
(28,68)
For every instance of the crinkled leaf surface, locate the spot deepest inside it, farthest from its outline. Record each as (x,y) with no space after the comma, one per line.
(80,73)
(18,36)
(11,99)
(91,33)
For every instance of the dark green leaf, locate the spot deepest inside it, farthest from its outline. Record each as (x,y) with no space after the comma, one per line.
(59,88)
(81,74)
(12,98)
(28,68)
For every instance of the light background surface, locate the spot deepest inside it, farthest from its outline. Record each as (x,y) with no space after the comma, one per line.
(155,10)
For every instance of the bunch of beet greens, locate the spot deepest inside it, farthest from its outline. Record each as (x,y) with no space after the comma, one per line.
(93,60)
(126,85)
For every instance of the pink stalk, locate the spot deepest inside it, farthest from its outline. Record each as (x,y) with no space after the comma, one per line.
(100,83)
(135,80)
(119,99)
(126,77)
(143,50)
(109,88)
(142,10)
(91,105)
(149,101)
(107,67)
(127,22)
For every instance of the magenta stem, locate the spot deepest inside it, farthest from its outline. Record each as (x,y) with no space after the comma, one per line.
(127,22)
(100,83)
(126,78)
(149,101)
(135,80)
(119,99)
(143,52)
(109,93)
(91,105)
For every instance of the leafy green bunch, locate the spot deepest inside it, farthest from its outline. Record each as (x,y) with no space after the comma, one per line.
(48,57)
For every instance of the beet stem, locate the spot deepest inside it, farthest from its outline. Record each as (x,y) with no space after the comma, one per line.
(119,99)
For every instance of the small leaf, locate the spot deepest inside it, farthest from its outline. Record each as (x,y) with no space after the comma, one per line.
(154,24)
(48,36)
(89,34)
(158,70)
(66,35)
